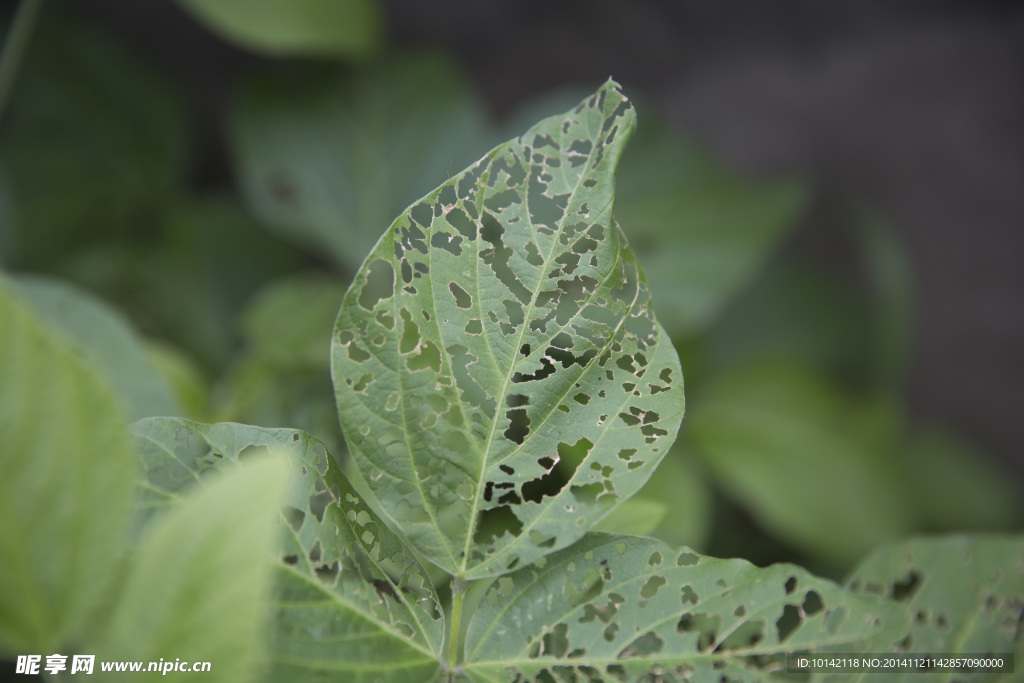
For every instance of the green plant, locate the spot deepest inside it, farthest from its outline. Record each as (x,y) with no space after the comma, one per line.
(503,387)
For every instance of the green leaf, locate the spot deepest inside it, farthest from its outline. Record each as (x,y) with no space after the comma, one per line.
(331,158)
(805,459)
(66,476)
(350,598)
(965,595)
(289,322)
(316,28)
(199,582)
(107,341)
(613,608)
(501,380)
(701,231)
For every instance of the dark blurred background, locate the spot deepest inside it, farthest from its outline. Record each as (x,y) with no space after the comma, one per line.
(909,112)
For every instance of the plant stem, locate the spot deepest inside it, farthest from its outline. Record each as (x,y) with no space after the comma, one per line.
(459,588)
(14,47)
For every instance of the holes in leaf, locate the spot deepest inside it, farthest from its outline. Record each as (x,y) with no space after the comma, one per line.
(605,613)
(686,560)
(318,503)
(789,622)
(427,356)
(385,590)
(904,590)
(746,636)
(474,326)
(552,644)
(497,257)
(447,241)
(650,588)
(294,517)
(704,625)
(790,585)
(689,597)
(328,573)
(495,523)
(519,421)
(550,484)
(379,284)
(462,297)
(360,385)
(472,392)
(646,645)
(812,603)
(410,333)
(533,256)
(588,589)
(542,541)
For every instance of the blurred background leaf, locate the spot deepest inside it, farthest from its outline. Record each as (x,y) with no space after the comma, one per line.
(106,338)
(812,465)
(325,28)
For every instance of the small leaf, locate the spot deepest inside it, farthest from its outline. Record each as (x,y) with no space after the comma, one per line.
(198,584)
(331,158)
(501,379)
(803,458)
(107,340)
(66,476)
(964,594)
(614,608)
(350,598)
(334,28)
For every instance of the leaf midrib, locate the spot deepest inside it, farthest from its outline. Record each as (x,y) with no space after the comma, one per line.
(527,317)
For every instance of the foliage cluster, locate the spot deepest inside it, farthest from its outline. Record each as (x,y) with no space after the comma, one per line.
(503,386)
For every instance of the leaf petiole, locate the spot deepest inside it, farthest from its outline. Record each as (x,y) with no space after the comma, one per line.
(459,589)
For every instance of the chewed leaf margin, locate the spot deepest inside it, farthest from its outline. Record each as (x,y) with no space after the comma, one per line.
(501,379)
(349,595)
(617,608)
